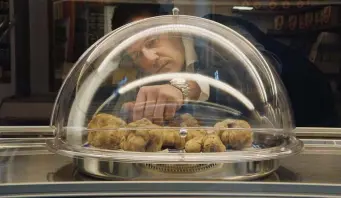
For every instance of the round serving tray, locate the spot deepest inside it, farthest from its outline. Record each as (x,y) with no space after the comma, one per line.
(110,170)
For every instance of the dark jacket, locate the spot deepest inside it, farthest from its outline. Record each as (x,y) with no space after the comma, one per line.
(308,90)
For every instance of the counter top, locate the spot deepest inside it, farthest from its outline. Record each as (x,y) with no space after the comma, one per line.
(26,165)
(319,164)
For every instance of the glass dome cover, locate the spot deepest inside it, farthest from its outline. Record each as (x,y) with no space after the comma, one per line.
(245,116)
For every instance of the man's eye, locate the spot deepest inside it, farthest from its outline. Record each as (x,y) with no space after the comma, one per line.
(152,42)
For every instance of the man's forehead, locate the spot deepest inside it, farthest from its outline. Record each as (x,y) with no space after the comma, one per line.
(136,46)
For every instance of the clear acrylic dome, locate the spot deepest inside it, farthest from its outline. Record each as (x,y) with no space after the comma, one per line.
(173,89)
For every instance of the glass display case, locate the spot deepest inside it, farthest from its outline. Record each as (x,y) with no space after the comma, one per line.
(179,98)
(157,119)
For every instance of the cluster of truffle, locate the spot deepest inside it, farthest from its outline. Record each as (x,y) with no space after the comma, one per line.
(109,132)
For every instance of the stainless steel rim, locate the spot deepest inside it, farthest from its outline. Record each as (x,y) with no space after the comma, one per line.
(291,146)
(109,170)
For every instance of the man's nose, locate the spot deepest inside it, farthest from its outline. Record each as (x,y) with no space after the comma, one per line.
(150,54)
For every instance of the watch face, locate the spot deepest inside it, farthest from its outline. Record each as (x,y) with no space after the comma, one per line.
(179,81)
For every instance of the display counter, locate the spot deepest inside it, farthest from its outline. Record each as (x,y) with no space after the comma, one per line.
(29,169)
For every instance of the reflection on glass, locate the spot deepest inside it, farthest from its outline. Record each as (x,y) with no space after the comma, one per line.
(278,39)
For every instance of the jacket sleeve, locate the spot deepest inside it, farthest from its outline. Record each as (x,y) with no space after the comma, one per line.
(227,72)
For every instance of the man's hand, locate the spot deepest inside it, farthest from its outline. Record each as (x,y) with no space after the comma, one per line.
(157,103)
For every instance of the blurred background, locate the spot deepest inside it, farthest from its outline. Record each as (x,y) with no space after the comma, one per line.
(40,40)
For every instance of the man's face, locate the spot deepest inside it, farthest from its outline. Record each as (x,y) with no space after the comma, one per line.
(158,54)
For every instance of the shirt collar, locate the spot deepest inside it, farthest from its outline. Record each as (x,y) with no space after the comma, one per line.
(190,53)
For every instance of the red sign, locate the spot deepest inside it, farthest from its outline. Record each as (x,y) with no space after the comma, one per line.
(308,20)
(292,22)
(279,22)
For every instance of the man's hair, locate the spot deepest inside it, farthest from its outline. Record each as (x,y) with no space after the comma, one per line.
(124,13)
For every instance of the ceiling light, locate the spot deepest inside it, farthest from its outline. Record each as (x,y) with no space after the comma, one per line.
(242,8)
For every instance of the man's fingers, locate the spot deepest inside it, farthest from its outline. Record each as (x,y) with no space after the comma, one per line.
(139,105)
(128,107)
(159,109)
(126,111)
(170,111)
(150,105)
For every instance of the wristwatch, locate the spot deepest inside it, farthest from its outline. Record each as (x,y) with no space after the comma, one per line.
(182,85)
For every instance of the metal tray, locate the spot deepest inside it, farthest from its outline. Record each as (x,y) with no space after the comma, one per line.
(139,168)
(113,169)
(110,170)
